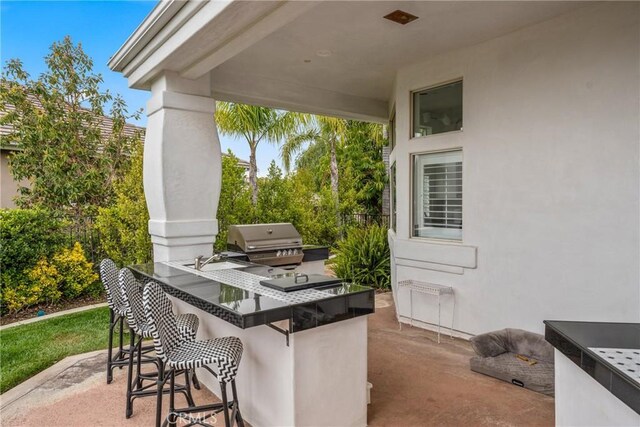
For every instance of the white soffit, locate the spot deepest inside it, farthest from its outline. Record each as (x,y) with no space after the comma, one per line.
(334,57)
(367,50)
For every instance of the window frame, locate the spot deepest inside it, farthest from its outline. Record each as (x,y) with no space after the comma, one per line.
(412,197)
(392,131)
(412,108)
(393,184)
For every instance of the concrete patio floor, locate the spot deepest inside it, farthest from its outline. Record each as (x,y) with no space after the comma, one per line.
(416,382)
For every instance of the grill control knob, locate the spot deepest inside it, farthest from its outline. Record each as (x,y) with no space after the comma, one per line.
(295,252)
(279,253)
(290,251)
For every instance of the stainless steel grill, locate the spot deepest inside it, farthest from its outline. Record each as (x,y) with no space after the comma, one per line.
(269,244)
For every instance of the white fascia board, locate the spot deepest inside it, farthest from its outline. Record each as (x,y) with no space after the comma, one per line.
(148,28)
(148,61)
(292,96)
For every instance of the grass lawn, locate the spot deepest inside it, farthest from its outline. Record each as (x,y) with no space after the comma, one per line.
(28,349)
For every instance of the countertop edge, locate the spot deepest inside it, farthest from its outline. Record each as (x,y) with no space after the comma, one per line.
(624,390)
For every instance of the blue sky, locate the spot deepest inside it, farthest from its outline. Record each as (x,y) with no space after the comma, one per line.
(28,28)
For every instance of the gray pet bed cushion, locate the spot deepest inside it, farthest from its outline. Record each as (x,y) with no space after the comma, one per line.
(496,357)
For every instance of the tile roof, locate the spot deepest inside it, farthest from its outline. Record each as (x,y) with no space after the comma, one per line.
(106,124)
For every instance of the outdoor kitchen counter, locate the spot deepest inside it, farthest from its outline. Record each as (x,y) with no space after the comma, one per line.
(310,370)
(243,302)
(597,372)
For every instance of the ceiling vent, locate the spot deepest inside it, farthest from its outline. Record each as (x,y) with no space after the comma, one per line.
(400,17)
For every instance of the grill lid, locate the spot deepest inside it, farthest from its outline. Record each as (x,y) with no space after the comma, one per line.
(261,237)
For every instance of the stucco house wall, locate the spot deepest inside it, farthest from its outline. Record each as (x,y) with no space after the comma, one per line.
(550,176)
(8,186)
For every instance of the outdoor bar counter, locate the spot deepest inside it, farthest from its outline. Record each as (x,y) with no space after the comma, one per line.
(597,372)
(305,352)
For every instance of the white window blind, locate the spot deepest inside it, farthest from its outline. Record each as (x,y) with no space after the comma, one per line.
(437,195)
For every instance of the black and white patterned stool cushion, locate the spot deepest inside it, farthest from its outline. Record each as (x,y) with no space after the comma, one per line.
(225,353)
(109,278)
(131,293)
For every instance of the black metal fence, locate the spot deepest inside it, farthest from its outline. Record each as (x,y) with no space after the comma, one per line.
(365,219)
(89,237)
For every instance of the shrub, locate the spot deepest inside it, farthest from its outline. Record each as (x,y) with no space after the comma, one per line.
(235,205)
(27,236)
(363,257)
(39,285)
(75,274)
(123,227)
(67,275)
(43,283)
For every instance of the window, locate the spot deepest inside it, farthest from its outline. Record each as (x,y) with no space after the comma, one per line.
(392,185)
(437,195)
(437,110)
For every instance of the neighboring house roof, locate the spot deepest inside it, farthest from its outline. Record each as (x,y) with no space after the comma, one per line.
(106,124)
(242,163)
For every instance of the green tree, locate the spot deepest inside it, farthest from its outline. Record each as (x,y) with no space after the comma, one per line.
(292,198)
(275,198)
(235,199)
(345,156)
(362,163)
(123,226)
(326,132)
(315,160)
(56,120)
(256,124)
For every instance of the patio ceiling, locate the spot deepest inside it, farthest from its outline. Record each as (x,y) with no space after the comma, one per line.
(337,58)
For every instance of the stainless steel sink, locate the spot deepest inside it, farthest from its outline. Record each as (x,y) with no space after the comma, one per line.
(215,266)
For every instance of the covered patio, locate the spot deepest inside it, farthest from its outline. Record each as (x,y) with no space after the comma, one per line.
(513,141)
(416,383)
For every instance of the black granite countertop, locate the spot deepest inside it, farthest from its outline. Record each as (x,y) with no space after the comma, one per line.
(245,307)
(608,352)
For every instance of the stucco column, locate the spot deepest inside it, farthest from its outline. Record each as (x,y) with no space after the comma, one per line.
(182,168)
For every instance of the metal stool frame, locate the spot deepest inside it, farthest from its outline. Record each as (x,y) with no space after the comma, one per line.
(213,408)
(175,354)
(109,278)
(129,287)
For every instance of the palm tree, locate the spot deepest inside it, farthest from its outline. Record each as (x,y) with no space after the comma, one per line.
(255,124)
(324,133)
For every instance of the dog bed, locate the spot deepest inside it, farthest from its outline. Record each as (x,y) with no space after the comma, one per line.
(520,357)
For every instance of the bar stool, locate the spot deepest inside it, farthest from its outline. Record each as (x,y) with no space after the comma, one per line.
(131,293)
(109,278)
(176,353)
